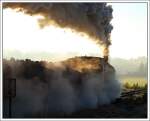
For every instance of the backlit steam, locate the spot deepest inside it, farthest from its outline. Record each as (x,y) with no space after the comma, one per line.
(45,88)
(69,43)
(93,19)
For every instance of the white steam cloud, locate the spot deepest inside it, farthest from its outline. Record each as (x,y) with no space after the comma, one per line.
(44,88)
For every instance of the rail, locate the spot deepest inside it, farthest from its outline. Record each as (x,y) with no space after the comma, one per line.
(134,92)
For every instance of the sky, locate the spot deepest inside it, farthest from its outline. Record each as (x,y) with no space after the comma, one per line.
(129,36)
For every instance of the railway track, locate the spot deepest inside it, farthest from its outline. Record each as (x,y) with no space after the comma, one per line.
(133,92)
(130,94)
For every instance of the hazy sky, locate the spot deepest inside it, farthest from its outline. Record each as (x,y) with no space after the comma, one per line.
(129,36)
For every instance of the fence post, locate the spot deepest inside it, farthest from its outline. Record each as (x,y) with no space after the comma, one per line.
(11,93)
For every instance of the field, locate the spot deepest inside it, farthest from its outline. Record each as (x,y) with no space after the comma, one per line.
(133,81)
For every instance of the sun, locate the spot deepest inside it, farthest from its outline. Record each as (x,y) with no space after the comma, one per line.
(22,32)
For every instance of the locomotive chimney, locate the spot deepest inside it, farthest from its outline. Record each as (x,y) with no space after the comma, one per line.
(105,58)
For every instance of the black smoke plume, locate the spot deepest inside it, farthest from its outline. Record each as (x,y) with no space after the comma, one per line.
(91,18)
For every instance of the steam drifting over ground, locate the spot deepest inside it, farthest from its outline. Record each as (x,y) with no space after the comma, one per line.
(44,88)
(64,87)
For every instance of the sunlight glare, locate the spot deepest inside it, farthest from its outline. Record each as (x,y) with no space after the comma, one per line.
(22,32)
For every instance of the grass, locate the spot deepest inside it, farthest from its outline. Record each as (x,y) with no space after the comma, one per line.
(134,81)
